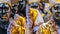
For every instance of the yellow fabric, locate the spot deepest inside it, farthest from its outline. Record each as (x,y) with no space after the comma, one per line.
(33,13)
(49,12)
(57,1)
(46,29)
(21,21)
(18,30)
(42,15)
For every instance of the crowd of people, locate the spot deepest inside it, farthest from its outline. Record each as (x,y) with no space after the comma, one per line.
(30,17)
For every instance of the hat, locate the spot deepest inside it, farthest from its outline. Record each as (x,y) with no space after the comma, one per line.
(33,5)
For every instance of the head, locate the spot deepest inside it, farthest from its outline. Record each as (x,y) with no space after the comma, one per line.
(57,7)
(32,14)
(34,5)
(4,11)
(21,4)
(21,7)
(56,18)
(14,8)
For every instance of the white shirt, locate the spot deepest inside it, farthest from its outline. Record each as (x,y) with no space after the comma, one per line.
(39,18)
(59,30)
(51,1)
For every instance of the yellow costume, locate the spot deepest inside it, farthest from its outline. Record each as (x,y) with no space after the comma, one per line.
(17,30)
(19,27)
(35,16)
(46,28)
(21,21)
(57,1)
(33,13)
(42,14)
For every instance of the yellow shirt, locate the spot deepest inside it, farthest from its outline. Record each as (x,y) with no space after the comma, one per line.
(42,15)
(46,28)
(33,13)
(21,21)
(58,1)
(18,30)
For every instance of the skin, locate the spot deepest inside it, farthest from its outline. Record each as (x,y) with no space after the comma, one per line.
(6,16)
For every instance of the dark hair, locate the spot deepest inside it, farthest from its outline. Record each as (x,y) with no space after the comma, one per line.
(23,11)
(12,16)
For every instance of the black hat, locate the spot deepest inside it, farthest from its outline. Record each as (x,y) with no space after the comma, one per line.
(34,5)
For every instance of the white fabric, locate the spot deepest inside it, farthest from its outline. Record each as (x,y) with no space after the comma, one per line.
(33,1)
(53,10)
(7,0)
(39,18)
(59,31)
(27,20)
(9,27)
(51,1)
(16,16)
(47,6)
(36,28)
(0,2)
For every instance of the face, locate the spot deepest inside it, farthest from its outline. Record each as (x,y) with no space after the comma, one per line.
(57,18)
(57,15)
(4,12)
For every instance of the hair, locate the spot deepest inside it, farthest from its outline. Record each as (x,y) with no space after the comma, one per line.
(23,11)
(9,5)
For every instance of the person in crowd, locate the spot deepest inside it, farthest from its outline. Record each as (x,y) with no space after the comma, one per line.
(42,6)
(47,11)
(4,17)
(17,24)
(35,17)
(52,26)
